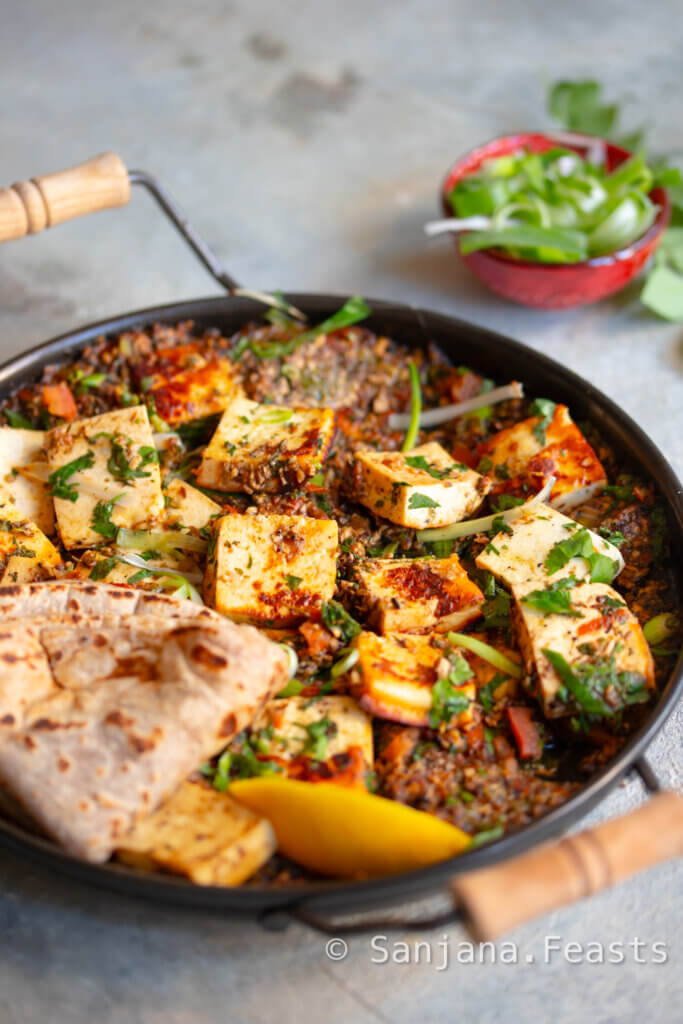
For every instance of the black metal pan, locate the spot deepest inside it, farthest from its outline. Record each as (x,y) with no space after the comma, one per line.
(577,867)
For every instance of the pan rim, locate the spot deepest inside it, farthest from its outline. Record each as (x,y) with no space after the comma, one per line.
(342,895)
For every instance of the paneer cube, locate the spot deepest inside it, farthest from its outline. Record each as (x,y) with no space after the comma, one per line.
(265,447)
(202,834)
(521,555)
(23,472)
(417,594)
(271,569)
(188,507)
(397,675)
(25,552)
(602,638)
(522,457)
(103,459)
(186,382)
(333,730)
(421,488)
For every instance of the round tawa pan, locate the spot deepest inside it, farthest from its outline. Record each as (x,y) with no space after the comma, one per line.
(501,358)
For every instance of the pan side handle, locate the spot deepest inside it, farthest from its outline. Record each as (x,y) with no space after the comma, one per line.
(30,206)
(497,899)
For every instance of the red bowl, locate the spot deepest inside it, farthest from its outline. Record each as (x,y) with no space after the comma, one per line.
(556,285)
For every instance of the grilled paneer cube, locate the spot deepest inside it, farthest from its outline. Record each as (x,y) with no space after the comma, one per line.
(397,675)
(417,594)
(104,470)
(202,834)
(593,657)
(421,488)
(188,507)
(265,447)
(186,382)
(543,545)
(271,568)
(524,456)
(25,552)
(23,472)
(331,730)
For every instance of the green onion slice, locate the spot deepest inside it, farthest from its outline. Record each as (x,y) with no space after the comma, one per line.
(415,409)
(487,653)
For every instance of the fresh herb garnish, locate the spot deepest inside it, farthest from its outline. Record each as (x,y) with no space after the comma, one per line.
(339,622)
(500,525)
(198,432)
(554,599)
(592,682)
(447,700)
(101,569)
(617,538)
(293,581)
(243,764)
(580,544)
(420,462)
(418,500)
(121,469)
(505,501)
(318,736)
(58,480)
(544,408)
(487,835)
(101,518)
(16,419)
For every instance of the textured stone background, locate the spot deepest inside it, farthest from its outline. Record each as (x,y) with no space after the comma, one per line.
(307,141)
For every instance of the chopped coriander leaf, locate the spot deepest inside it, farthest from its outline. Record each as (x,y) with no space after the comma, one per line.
(496,610)
(16,419)
(622,492)
(612,602)
(293,581)
(592,683)
(241,765)
(139,576)
(486,693)
(58,480)
(198,432)
(101,569)
(119,466)
(447,700)
(505,501)
(500,525)
(318,736)
(339,622)
(502,471)
(603,569)
(617,538)
(544,408)
(418,500)
(353,310)
(101,518)
(554,599)
(420,462)
(485,464)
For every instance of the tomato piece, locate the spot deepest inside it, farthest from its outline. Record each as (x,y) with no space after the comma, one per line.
(60,401)
(318,639)
(526,732)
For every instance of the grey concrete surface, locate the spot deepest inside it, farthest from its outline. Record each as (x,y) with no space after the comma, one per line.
(307,141)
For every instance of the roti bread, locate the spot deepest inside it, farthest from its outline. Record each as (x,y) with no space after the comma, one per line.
(104,712)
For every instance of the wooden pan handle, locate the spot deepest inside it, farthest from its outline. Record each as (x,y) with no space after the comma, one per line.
(498,898)
(30,206)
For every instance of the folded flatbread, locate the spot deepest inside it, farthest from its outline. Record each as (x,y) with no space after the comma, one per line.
(110,697)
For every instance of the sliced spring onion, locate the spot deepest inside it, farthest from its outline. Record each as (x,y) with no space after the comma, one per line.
(413,423)
(483,525)
(293,659)
(162,436)
(346,662)
(172,540)
(274,301)
(559,245)
(444,413)
(596,150)
(661,628)
(487,653)
(176,579)
(275,416)
(476,223)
